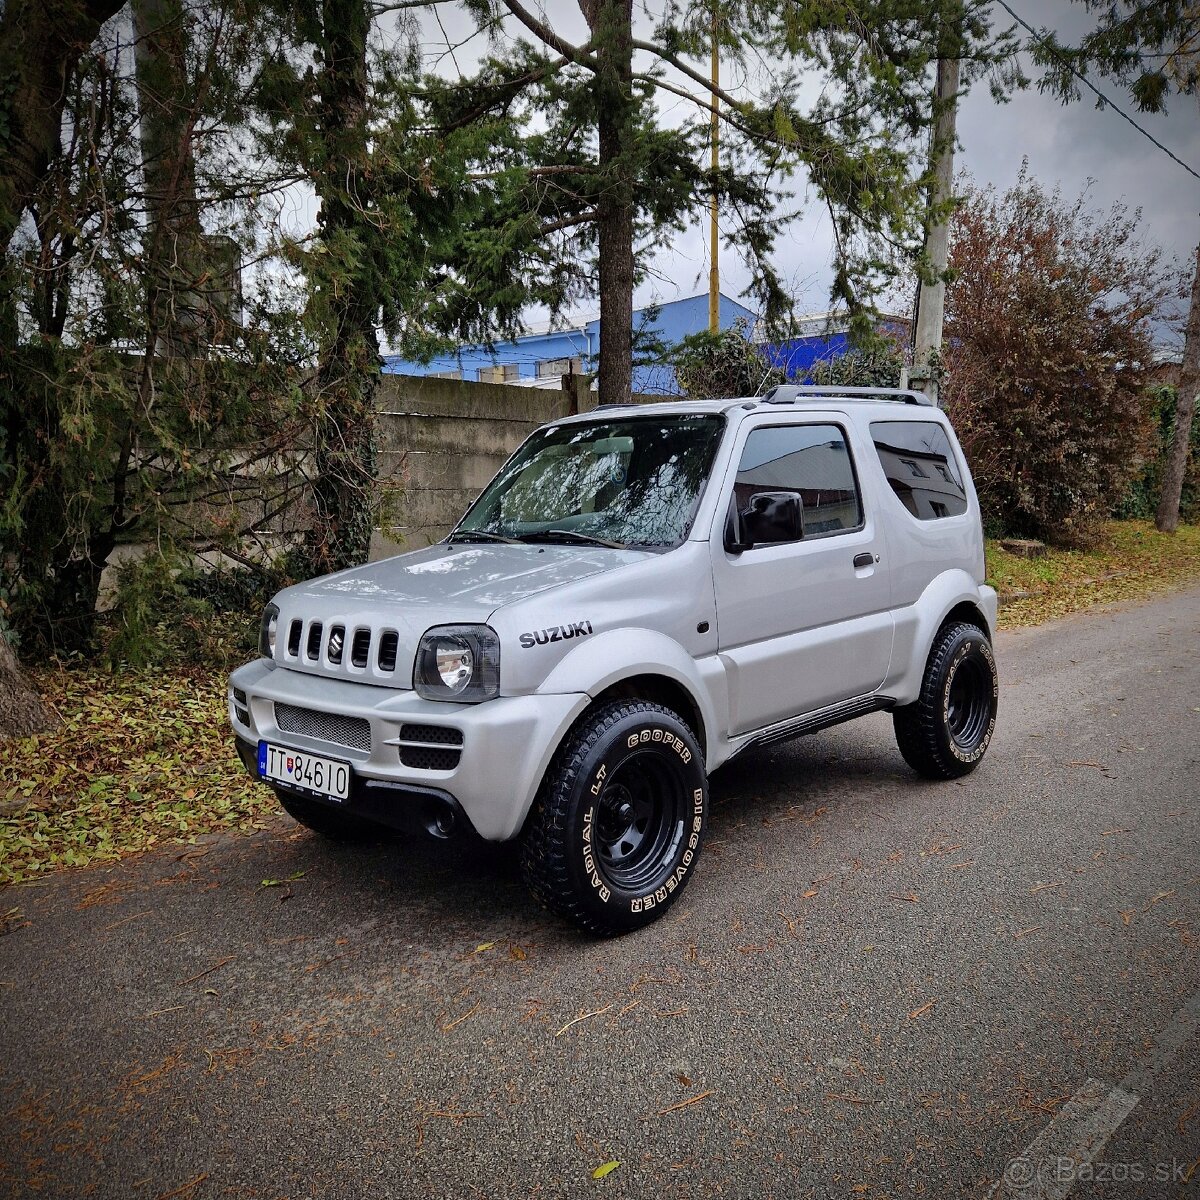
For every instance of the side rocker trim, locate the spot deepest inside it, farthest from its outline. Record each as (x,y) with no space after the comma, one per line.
(813,722)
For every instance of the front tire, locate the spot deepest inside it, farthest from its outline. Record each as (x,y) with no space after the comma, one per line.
(328,821)
(949,728)
(618,823)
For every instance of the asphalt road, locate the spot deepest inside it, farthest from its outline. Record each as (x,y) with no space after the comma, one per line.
(874,986)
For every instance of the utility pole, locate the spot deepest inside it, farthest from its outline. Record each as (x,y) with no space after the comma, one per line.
(931,296)
(714,273)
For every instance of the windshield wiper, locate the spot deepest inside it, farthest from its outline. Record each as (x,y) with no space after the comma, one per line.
(573,535)
(483,535)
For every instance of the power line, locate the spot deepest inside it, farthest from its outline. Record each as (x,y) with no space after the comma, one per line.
(1104,100)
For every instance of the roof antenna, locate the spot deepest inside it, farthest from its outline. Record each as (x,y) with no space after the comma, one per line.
(766,376)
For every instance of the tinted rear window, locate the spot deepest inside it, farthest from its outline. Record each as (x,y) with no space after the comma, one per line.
(920,465)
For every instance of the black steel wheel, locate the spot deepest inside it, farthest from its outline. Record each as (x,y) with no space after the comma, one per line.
(619,820)
(946,732)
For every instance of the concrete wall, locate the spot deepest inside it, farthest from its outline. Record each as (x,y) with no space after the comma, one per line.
(440,441)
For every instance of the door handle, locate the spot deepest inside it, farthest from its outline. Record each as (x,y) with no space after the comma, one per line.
(863,560)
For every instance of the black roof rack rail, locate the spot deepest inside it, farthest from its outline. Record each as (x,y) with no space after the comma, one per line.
(791,393)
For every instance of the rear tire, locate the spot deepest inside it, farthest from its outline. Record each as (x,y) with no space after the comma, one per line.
(618,822)
(949,728)
(330,822)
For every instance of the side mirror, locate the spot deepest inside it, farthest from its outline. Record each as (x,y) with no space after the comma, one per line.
(769,517)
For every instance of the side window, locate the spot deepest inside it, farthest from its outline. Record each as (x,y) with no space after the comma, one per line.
(920,465)
(809,461)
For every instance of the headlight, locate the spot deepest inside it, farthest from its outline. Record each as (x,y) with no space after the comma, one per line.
(267,631)
(458,662)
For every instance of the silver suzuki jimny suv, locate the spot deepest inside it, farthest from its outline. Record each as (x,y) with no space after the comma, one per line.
(640,594)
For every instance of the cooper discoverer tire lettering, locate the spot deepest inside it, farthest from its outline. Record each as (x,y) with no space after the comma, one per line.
(945,733)
(619,821)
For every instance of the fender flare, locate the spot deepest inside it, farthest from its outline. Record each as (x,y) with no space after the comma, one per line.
(943,594)
(611,657)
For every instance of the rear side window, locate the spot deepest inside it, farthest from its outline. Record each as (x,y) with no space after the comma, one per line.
(813,461)
(920,465)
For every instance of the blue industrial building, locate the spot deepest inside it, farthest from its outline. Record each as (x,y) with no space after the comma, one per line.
(823,337)
(573,348)
(541,358)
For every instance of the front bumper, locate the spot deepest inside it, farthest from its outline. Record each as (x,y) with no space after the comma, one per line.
(402,806)
(506,745)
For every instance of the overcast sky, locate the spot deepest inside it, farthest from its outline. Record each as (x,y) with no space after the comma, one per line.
(1073,146)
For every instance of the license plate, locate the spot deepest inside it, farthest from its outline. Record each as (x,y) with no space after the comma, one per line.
(306,772)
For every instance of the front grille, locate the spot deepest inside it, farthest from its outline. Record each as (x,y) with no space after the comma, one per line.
(354,732)
(389,644)
(430,758)
(360,648)
(314,640)
(334,645)
(436,735)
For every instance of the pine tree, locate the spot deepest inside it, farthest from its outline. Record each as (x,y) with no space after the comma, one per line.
(603,175)
(40,43)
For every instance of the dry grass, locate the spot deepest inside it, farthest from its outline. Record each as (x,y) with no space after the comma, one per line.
(1132,561)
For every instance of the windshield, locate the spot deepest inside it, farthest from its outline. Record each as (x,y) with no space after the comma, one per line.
(633,482)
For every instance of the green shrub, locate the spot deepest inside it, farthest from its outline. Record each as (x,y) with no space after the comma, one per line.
(167,613)
(878,367)
(1141,501)
(714,366)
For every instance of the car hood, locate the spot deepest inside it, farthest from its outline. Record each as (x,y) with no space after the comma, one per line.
(470,581)
(406,595)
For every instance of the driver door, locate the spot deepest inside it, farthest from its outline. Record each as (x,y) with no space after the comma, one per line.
(802,624)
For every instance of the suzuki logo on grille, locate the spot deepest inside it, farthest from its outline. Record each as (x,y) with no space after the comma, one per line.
(335,645)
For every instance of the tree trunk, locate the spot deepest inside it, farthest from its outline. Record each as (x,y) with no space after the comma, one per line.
(344,441)
(1167,517)
(611,23)
(40,43)
(22,710)
(173,245)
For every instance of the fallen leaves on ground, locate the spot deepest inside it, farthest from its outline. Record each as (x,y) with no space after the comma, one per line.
(12,919)
(274,883)
(605,1169)
(1133,560)
(141,759)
